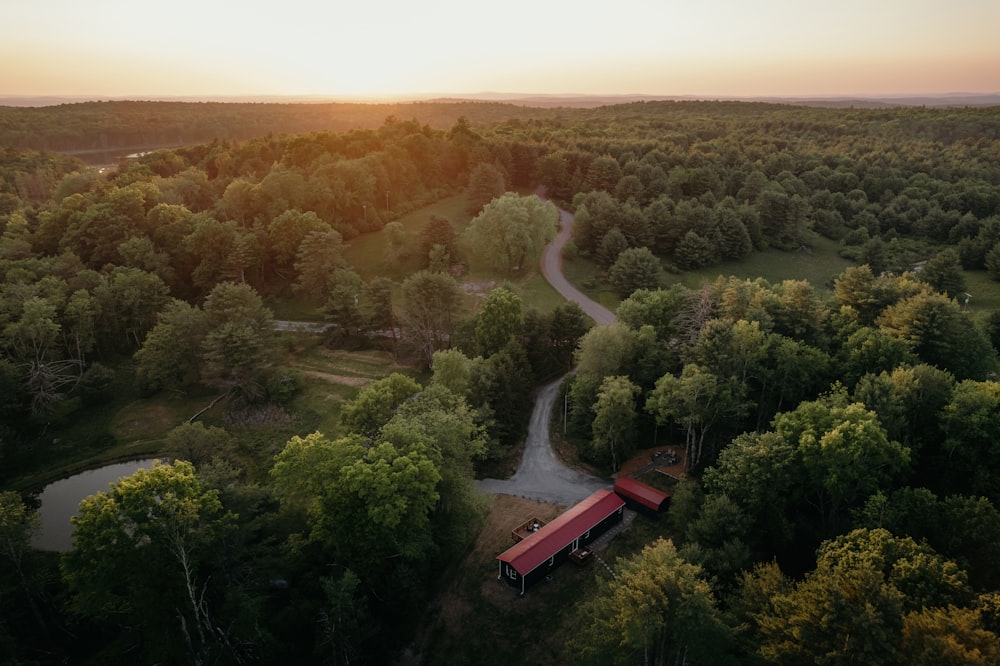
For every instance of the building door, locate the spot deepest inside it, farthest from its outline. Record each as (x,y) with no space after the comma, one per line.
(576,545)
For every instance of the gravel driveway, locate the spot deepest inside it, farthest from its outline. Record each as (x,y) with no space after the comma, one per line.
(541,476)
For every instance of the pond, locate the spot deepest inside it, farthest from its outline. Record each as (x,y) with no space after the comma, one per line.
(60,500)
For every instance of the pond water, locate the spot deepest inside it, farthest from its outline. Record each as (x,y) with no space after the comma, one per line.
(60,500)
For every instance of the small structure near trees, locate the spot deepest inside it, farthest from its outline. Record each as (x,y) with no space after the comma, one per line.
(541,551)
(642,497)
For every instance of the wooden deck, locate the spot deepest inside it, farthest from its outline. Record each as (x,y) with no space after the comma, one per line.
(526,529)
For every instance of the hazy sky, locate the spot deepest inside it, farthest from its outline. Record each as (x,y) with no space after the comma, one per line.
(106,48)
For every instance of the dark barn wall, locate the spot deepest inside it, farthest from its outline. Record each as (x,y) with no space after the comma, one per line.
(542,570)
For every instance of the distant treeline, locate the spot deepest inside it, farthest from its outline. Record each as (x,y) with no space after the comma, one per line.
(128,125)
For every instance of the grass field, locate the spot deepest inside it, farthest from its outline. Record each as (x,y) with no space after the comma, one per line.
(366,253)
(332,377)
(820,265)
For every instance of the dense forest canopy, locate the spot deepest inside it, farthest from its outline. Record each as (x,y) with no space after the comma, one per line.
(102,127)
(841,436)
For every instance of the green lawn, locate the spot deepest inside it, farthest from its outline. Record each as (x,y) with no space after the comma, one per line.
(984,292)
(366,253)
(819,265)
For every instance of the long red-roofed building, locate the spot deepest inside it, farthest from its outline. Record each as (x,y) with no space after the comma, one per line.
(536,555)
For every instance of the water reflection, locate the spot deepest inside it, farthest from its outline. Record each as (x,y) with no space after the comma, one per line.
(60,500)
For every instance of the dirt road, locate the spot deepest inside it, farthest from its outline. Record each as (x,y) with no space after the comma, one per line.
(541,475)
(552,270)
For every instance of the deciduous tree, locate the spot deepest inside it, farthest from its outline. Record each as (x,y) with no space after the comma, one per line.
(145,550)
(429,305)
(844,450)
(498,321)
(614,418)
(510,231)
(657,609)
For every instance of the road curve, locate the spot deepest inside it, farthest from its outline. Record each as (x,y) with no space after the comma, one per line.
(552,270)
(540,475)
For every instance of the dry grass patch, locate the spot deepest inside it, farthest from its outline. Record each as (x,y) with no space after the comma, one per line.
(353,382)
(147,419)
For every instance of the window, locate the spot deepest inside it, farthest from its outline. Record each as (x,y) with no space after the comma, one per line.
(511,572)
(587,535)
(552,561)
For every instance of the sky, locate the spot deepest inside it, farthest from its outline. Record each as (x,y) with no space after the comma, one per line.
(371,48)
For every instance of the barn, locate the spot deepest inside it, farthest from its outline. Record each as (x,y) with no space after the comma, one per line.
(538,554)
(642,497)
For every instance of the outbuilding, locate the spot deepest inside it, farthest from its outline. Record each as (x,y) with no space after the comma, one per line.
(641,496)
(537,554)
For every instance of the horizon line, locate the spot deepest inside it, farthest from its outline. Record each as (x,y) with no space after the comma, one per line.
(382,98)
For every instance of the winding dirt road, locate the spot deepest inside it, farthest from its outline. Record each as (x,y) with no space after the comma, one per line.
(552,270)
(540,475)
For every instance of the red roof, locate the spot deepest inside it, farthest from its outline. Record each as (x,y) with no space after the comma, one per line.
(561,532)
(646,495)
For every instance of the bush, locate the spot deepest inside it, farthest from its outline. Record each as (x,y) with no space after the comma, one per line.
(284,384)
(97,384)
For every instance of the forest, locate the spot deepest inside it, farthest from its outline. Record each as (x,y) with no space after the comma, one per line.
(317,489)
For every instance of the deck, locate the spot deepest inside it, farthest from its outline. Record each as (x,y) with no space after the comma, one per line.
(526,529)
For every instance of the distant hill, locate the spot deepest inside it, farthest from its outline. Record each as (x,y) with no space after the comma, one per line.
(957,99)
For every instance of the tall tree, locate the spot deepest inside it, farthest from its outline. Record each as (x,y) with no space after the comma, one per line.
(18,525)
(943,271)
(696,400)
(287,231)
(375,404)
(129,300)
(845,453)
(940,334)
(368,508)
(238,342)
(145,550)
(486,183)
(318,255)
(498,321)
(851,608)
(430,302)
(614,418)
(656,610)
(759,471)
(168,358)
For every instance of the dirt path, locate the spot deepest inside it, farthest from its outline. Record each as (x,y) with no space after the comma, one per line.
(552,270)
(540,475)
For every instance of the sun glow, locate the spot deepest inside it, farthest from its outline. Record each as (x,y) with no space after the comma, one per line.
(637,46)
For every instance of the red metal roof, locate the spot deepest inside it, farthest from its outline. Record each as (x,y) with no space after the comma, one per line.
(556,535)
(644,494)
